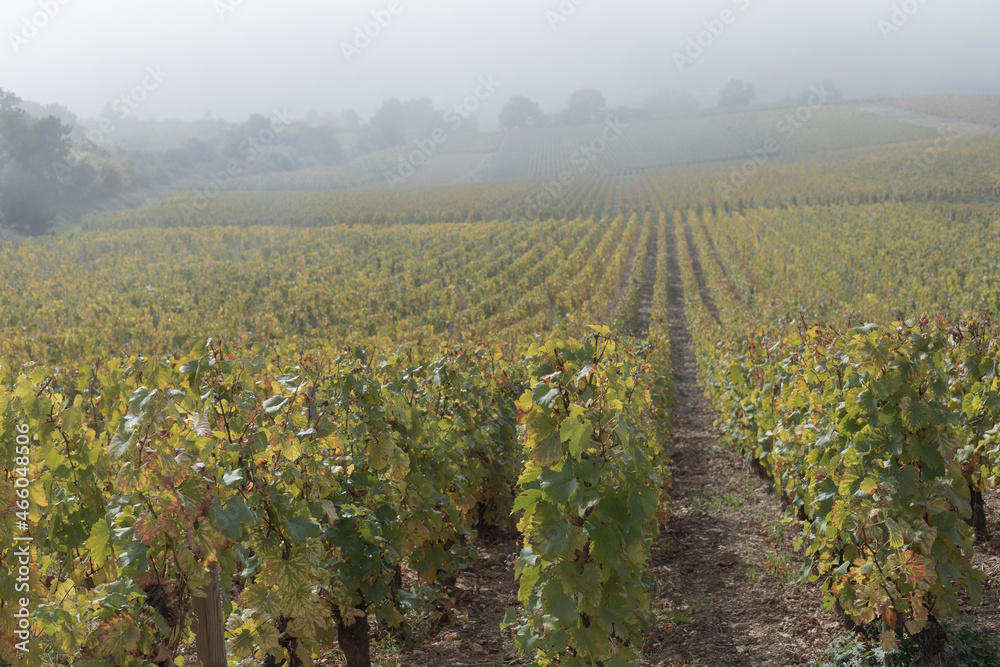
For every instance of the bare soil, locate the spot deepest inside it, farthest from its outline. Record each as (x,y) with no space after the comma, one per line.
(725,563)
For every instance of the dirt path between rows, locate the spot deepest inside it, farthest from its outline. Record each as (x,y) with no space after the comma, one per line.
(727,593)
(623,280)
(718,260)
(725,560)
(948,127)
(648,285)
(473,637)
(703,291)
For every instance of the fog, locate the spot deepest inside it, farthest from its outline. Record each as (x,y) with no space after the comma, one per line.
(231,58)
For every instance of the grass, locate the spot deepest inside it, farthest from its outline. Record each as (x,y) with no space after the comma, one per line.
(713,501)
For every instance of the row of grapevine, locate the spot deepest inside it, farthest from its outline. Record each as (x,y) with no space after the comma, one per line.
(934,169)
(590,496)
(304,482)
(882,435)
(286,478)
(409,284)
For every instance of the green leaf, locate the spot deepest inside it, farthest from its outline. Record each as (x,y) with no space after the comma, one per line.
(928,452)
(71,419)
(909,482)
(380,452)
(120,636)
(576,435)
(558,604)
(231,519)
(301,528)
(916,415)
(135,553)
(140,399)
(543,440)
(559,486)
(274,404)
(552,531)
(896,540)
(947,524)
(99,543)
(233,477)
(527,498)
(605,544)
(120,445)
(826,496)
(544,395)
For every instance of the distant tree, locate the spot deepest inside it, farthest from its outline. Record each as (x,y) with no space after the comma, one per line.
(390,121)
(199,151)
(521,112)
(83,176)
(670,101)
(421,116)
(737,94)
(395,119)
(585,106)
(256,124)
(351,118)
(29,149)
(317,142)
(25,202)
(36,110)
(112,179)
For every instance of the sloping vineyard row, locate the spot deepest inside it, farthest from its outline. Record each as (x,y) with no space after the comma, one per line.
(404,285)
(342,435)
(629,143)
(959,170)
(882,262)
(883,436)
(983,109)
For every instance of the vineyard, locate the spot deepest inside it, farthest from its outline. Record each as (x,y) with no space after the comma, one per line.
(970,108)
(600,149)
(541,421)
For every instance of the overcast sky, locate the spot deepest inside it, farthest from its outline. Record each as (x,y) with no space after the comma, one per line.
(231,58)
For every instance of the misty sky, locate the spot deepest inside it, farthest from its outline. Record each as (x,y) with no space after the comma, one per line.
(265,53)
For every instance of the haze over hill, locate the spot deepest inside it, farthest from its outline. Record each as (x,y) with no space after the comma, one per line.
(232,58)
